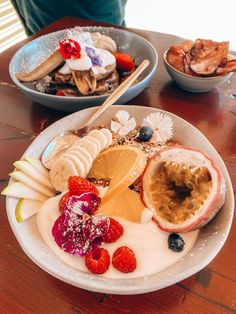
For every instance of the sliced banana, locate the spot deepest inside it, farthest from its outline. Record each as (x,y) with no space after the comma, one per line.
(108,135)
(89,146)
(47,66)
(83,152)
(95,141)
(81,171)
(99,136)
(87,165)
(62,169)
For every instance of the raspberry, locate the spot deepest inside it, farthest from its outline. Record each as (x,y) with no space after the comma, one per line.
(98,261)
(114,232)
(63,200)
(124,260)
(78,185)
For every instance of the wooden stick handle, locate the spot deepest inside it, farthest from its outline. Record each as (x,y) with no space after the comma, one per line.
(118,92)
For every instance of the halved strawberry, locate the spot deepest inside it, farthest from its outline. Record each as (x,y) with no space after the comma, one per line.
(124,62)
(78,185)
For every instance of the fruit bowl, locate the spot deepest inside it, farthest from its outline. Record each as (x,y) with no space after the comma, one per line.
(210,240)
(33,53)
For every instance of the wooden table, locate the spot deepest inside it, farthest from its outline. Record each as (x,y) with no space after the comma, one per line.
(25,288)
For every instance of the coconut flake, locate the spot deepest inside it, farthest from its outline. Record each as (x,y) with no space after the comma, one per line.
(122,123)
(162,126)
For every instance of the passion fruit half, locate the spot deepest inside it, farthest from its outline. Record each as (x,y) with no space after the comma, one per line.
(183,187)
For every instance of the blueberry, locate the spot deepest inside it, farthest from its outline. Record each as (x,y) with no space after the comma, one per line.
(145,133)
(175,242)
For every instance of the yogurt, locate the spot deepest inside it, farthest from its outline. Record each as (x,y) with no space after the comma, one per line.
(147,242)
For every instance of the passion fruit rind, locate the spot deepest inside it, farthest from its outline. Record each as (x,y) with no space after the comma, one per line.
(183,187)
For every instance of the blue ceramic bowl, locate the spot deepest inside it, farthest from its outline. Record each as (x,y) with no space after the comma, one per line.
(33,53)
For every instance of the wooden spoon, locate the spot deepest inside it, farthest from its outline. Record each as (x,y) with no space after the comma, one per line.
(66,138)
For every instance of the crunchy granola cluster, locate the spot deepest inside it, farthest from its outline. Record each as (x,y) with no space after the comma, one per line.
(149,148)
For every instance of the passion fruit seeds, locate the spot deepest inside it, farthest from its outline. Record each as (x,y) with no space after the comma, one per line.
(183,187)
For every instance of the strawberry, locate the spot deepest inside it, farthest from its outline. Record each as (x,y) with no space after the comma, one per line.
(60,92)
(63,200)
(124,62)
(78,185)
(124,260)
(98,261)
(114,232)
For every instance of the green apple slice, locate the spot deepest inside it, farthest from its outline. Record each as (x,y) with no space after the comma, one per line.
(31,183)
(20,190)
(38,165)
(26,208)
(32,172)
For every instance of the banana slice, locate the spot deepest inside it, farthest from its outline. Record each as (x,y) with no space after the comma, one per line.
(47,66)
(85,81)
(99,136)
(89,145)
(87,165)
(77,162)
(108,135)
(95,141)
(62,169)
(83,152)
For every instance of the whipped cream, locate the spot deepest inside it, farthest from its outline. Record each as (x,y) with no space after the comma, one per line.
(146,240)
(83,38)
(81,64)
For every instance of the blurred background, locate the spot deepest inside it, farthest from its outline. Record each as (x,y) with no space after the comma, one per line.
(209,19)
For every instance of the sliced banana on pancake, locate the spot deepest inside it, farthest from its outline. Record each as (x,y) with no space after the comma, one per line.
(47,66)
(85,81)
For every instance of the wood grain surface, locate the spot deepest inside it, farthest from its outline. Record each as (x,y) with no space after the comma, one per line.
(25,288)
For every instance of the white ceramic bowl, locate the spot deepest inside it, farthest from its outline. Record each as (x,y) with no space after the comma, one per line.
(210,240)
(31,55)
(193,83)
